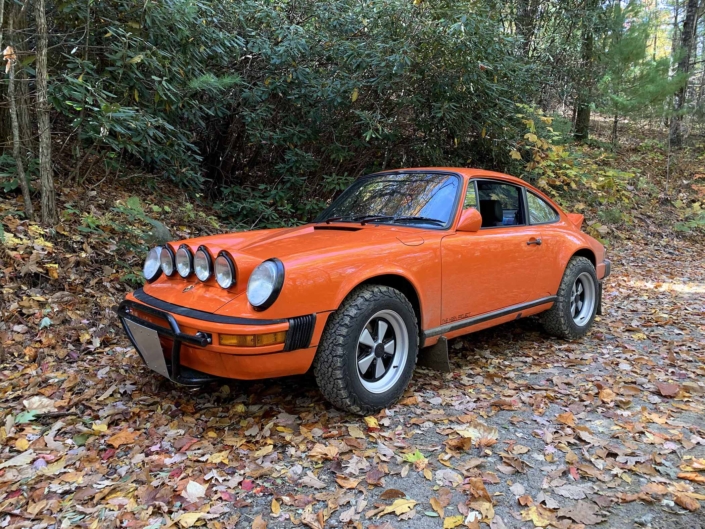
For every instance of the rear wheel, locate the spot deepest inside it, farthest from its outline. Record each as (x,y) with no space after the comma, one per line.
(368,350)
(574,311)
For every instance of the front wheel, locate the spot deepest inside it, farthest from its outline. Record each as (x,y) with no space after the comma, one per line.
(574,311)
(368,350)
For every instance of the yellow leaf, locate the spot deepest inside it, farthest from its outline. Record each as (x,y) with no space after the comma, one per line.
(100,428)
(354,431)
(399,506)
(219,457)
(453,521)
(137,95)
(264,451)
(371,422)
(533,514)
(276,508)
(484,132)
(515,155)
(53,270)
(355,94)
(189,518)
(21,444)
(427,474)
(533,138)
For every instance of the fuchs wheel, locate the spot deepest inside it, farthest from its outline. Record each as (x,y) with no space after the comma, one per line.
(368,350)
(574,311)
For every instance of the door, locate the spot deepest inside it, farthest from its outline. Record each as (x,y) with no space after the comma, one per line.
(495,267)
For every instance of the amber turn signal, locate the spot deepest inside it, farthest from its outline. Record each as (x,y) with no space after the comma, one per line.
(253,340)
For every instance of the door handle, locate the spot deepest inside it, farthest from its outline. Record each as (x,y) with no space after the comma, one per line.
(531,241)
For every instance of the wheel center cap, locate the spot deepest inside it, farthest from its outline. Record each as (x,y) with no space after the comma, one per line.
(379,350)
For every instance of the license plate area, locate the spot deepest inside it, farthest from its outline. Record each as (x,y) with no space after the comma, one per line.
(149,346)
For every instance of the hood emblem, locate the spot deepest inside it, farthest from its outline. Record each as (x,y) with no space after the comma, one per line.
(190,287)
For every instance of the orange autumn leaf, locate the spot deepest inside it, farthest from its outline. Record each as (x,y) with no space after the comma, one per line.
(124,437)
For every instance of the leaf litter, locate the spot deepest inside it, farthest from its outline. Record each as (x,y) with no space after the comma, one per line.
(525,431)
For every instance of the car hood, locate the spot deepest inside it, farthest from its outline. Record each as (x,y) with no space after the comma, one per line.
(309,241)
(310,253)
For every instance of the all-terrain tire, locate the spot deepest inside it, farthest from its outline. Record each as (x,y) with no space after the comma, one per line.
(558,320)
(336,363)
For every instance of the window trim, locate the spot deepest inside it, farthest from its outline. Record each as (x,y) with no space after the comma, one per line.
(522,200)
(557,217)
(452,219)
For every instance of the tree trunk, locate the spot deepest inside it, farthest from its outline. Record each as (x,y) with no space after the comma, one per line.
(683,68)
(16,143)
(615,126)
(587,52)
(526,22)
(49,216)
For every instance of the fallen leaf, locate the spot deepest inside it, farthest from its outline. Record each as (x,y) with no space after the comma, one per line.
(194,491)
(453,521)
(687,502)
(123,437)
(39,404)
(259,523)
(399,506)
(582,512)
(668,390)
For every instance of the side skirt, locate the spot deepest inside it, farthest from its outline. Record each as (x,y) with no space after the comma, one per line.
(469,322)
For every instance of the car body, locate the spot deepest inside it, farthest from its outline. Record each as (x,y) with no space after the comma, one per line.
(462,276)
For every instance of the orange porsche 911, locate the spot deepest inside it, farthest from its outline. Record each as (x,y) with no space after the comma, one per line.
(402,260)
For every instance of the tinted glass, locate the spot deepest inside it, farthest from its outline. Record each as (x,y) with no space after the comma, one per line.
(539,210)
(419,199)
(500,204)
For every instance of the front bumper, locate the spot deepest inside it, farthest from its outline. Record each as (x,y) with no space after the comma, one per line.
(182,344)
(146,336)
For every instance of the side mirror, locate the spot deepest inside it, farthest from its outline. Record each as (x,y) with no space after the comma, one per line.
(470,221)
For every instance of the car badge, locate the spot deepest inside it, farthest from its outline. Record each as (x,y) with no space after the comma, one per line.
(190,287)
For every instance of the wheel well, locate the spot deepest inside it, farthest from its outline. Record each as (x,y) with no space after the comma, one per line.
(588,254)
(403,285)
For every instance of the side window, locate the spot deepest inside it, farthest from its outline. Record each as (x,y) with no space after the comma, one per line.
(470,196)
(540,212)
(500,204)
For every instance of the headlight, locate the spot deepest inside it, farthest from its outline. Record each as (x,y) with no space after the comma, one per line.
(184,261)
(265,283)
(224,271)
(152,265)
(202,264)
(167,260)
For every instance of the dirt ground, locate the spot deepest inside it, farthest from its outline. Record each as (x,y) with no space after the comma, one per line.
(527,431)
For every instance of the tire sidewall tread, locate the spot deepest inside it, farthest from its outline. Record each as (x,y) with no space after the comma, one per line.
(335,365)
(558,321)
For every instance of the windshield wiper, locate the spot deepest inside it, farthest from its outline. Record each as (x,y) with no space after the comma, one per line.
(373,218)
(419,219)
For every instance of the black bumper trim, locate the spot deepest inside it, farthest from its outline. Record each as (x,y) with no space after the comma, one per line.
(608,268)
(142,296)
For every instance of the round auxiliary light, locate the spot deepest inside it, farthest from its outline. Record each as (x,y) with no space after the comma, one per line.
(152,265)
(202,264)
(184,261)
(167,260)
(265,283)
(224,271)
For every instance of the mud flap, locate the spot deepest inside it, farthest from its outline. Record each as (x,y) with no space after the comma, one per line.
(435,357)
(599,298)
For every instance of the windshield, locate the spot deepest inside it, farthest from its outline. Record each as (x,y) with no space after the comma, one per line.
(419,199)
